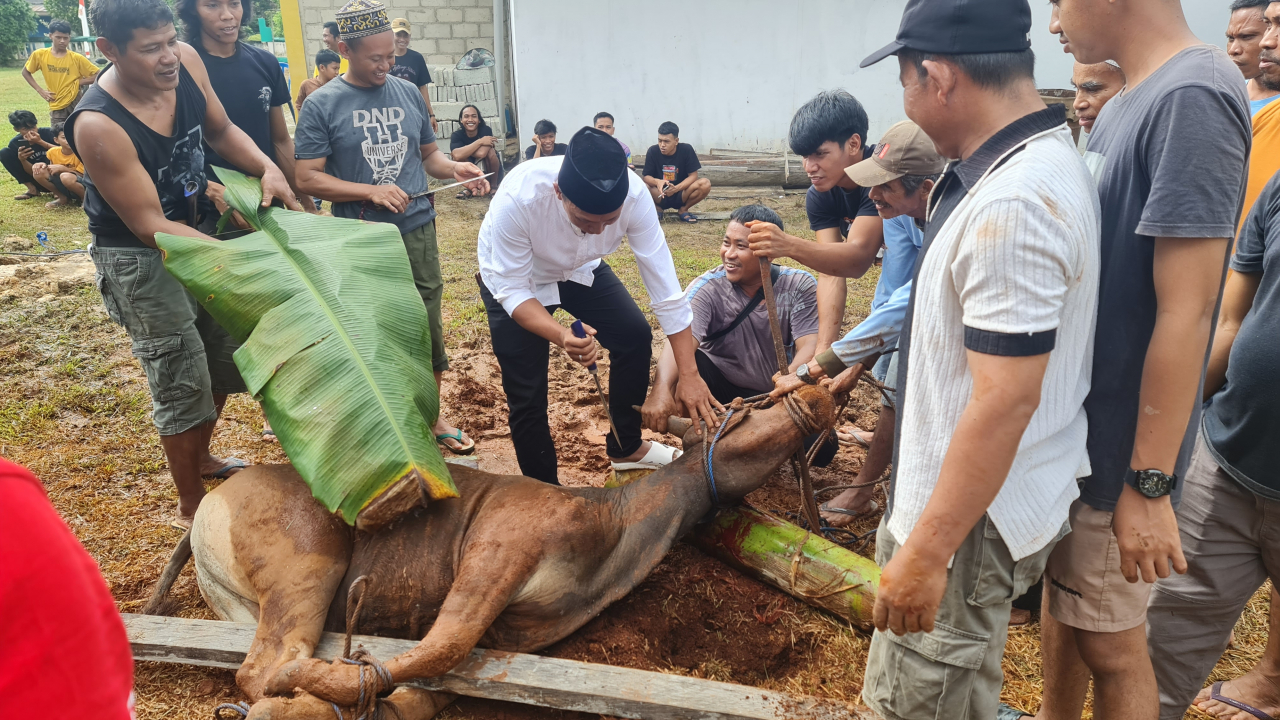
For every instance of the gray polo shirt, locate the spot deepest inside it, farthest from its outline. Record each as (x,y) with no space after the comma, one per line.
(1170,157)
(745,355)
(372,136)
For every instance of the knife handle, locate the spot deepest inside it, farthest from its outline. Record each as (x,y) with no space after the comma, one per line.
(581,332)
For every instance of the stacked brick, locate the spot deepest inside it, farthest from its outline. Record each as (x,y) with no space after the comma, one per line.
(442,30)
(451,89)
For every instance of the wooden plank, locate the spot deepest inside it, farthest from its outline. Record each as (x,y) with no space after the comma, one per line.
(513,677)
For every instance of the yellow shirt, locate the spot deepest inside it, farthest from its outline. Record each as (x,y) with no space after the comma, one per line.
(342,67)
(1264,158)
(61,74)
(57,157)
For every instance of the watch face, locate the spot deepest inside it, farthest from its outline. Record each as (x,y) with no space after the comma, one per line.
(1153,483)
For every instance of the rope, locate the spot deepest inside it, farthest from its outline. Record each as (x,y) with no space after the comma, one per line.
(374,678)
(241,709)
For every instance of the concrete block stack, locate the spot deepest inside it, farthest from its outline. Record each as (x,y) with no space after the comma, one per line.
(451,89)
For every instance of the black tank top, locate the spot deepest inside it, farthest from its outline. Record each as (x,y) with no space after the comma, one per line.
(172,161)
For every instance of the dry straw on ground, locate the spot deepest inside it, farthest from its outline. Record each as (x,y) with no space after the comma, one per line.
(74,408)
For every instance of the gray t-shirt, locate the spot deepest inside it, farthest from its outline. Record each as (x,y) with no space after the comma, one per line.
(1240,420)
(746,355)
(1169,156)
(372,136)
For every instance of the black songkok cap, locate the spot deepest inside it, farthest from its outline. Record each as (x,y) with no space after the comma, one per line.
(593,174)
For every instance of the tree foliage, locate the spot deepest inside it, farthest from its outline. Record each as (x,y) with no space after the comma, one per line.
(16,23)
(68,10)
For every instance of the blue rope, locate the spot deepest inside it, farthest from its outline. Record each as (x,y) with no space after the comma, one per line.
(710,454)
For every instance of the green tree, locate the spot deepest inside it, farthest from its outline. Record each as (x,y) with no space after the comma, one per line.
(16,23)
(68,10)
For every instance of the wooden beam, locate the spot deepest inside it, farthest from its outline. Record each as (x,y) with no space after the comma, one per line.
(295,45)
(513,677)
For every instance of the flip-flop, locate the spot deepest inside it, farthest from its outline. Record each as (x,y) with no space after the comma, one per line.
(26,196)
(463,194)
(180,523)
(688,217)
(233,465)
(1215,693)
(853,438)
(657,456)
(872,507)
(456,435)
(1008,712)
(269,436)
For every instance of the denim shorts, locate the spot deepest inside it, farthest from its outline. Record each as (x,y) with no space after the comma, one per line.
(185,354)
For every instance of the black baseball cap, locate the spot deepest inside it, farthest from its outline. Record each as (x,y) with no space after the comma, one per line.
(960,27)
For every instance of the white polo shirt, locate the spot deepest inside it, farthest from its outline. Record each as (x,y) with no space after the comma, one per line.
(1012,269)
(527,244)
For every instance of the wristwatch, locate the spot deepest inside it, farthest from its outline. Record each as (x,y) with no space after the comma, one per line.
(802,372)
(1153,483)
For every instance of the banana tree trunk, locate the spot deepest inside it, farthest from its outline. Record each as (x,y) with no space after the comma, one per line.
(806,566)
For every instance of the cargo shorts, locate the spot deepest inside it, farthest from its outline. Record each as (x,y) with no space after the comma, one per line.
(424,258)
(185,354)
(953,672)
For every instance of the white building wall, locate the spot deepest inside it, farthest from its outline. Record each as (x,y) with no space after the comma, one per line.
(730,73)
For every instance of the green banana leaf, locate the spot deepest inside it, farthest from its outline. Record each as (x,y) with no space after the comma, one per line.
(336,344)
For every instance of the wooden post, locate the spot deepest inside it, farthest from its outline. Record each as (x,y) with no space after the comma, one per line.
(513,677)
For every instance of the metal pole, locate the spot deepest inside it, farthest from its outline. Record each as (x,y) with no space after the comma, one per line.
(500,63)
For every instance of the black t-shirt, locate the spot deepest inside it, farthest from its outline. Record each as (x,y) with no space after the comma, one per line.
(561,149)
(675,167)
(412,66)
(459,137)
(1240,420)
(837,207)
(46,134)
(249,84)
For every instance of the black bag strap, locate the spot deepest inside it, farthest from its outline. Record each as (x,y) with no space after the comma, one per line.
(774,273)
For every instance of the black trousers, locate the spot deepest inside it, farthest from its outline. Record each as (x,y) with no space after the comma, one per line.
(725,392)
(9,158)
(523,356)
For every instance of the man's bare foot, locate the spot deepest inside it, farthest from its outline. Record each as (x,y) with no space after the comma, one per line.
(855,435)
(454,440)
(1256,688)
(854,500)
(58,202)
(220,468)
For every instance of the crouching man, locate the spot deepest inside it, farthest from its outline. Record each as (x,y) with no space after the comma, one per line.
(540,249)
(735,354)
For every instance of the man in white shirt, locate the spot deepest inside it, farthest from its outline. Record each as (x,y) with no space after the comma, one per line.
(994,362)
(540,249)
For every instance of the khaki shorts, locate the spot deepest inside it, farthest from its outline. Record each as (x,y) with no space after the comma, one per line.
(955,671)
(185,354)
(1084,587)
(424,258)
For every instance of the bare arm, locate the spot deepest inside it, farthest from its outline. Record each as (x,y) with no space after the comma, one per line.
(1237,300)
(439,165)
(313,180)
(31,80)
(805,347)
(691,389)
(1006,393)
(661,402)
(231,142)
(106,151)
(462,153)
(283,144)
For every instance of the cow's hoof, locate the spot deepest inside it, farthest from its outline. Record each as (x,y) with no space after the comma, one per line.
(334,682)
(304,706)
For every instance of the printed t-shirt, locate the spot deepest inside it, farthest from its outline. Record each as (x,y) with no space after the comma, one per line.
(66,654)
(69,159)
(372,136)
(411,66)
(61,74)
(307,87)
(249,84)
(1264,158)
(459,138)
(560,149)
(1159,174)
(673,168)
(1241,418)
(745,355)
(837,207)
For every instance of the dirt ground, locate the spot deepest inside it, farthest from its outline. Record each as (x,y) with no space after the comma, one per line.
(74,408)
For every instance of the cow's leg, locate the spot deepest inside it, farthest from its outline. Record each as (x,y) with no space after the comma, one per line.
(484,585)
(407,703)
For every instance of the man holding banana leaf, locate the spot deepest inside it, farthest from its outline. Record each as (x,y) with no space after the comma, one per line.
(140,131)
(365,143)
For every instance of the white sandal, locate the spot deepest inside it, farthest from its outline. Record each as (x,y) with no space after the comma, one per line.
(658,456)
